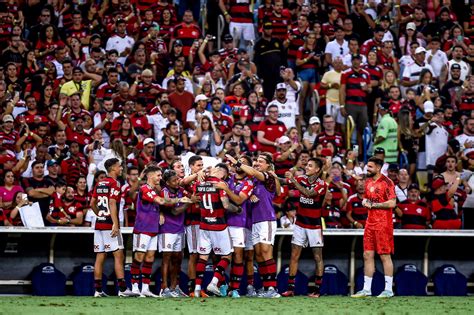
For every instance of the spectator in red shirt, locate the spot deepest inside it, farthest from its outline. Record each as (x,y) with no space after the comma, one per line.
(187,32)
(270,130)
(181,99)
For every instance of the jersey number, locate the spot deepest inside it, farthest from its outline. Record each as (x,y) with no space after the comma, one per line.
(207,202)
(103,205)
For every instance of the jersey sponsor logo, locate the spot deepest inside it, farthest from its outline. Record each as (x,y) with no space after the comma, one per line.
(210,219)
(107,246)
(308,201)
(202,249)
(96,247)
(217,249)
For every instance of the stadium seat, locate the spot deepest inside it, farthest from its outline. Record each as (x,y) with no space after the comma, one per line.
(83,280)
(48,281)
(448,281)
(409,281)
(183,281)
(378,282)
(334,281)
(301,281)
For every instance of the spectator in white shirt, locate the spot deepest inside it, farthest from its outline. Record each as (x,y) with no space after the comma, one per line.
(466,139)
(411,74)
(288,111)
(353,50)
(194,115)
(435,57)
(120,41)
(337,48)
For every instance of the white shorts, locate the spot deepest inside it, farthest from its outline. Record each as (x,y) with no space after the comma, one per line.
(244,31)
(264,232)
(192,237)
(248,239)
(143,242)
(217,241)
(334,109)
(304,237)
(237,235)
(171,242)
(103,242)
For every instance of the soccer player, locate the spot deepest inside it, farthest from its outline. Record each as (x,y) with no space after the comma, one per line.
(214,234)
(107,235)
(145,232)
(263,219)
(192,219)
(308,228)
(239,189)
(171,238)
(379,199)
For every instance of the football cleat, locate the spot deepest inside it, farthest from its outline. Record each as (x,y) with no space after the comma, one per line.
(314,295)
(167,293)
(251,291)
(271,294)
(128,293)
(386,294)
(289,293)
(234,294)
(180,292)
(148,293)
(98,294)
(223,289)
(213,289)
(362,294)
(261,292)
(136,289)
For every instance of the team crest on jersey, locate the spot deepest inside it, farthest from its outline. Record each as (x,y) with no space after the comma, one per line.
(142,246)
(194,33)
(419,210)
(280,128)
(277,45)
(372,189)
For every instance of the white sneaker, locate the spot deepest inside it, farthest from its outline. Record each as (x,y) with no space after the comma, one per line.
(128,293)
(362,294)
(214,289)
(98,294)
(180,292)
(148,293)
(386,294)
(136,289)
(251,291)
(167,293)
(271,294)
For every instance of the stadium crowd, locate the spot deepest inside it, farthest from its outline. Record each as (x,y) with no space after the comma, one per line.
(83,82)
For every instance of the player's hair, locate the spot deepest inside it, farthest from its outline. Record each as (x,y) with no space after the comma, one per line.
(224,166)
(36,163)
(376,161)
(247,158)
(131,168)
(151,169)
(193,159)
(110,162)
(174,163)
(61,183)
(317,161)
(269,159)
(168,174)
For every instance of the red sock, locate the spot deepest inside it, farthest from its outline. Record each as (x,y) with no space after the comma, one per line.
(146,272)
(200,269)
(219,272)
(250,279)
(236,273)
(135,271)
(262,271)
(270,280)
(98,285)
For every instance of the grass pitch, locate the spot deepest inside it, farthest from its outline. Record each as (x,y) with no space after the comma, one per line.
(293,306)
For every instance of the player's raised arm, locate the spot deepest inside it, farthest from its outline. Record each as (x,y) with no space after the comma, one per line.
(249,170)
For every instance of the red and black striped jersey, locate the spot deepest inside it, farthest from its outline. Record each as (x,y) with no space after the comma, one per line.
(415,214)
(193,212)
(339,5)
(296,42)
(212,210)
(356,209)
(386,62)
(84,200)
(353,79)
(280,24)
(329,30)
(309,210)
(283,166)
(187,34)
(73,168)
(8,140)
(144,93)
(166,31)
(237,104)
(467,101)
(333,213)
(158,12)
(303,53)
(79,33)
(105,90)
(336,139)
(263,12)
(240,11)
(104,191)
(376,73)
(370,45)
(140,124)
(144,5)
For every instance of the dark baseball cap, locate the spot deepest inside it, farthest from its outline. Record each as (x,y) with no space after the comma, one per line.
(356,56)
(393,167)
(413,186)
(178,42)
(267,25)
(456,66)
(228,38)
(384,105)
(379,151)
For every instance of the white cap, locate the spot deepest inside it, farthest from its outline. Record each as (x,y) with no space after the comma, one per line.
(411,26)
(420,50)
(314,120)
(200,97)
(281,86)
(148,140)
(387,37)
(428,106)
(283,139)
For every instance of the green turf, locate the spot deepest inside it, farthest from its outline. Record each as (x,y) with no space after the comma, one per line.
(293,306)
